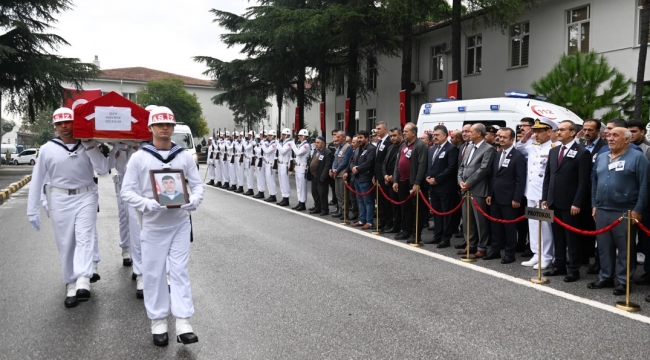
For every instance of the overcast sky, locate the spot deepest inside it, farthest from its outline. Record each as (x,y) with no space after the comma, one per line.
(157,34)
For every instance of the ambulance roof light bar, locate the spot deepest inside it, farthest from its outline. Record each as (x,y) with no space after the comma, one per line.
(522,95)
(444,99)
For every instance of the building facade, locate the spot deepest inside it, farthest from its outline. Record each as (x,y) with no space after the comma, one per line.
(494,62)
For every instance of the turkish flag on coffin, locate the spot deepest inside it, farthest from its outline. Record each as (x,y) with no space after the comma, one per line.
(81,97)
(122,119)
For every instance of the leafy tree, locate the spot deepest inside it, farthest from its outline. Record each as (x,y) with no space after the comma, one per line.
(172,94)
(41,128)
(585,83)
(31,77)
(639,105)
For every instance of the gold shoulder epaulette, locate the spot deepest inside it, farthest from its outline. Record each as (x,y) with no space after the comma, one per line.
(553,145)
(536,143)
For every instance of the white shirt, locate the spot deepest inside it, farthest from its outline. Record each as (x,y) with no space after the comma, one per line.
(472,150)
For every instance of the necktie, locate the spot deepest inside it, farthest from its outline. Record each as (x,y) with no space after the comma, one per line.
(435,155)
(471,152)
(559,159)
(503,157)
(464,149)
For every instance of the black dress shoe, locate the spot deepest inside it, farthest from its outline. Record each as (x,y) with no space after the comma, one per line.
(95,278)
(211,182)
(336,214)
(432,241)
(249,192)
(332,202)
(460,246)
(392,230)
(240,190)
(572,277)
(126,262)
(556,271)
(139,294)
(301,206)
(643,279)
(324,213)
(160,339)
(442,245)
(314,211)
(271,199)
(218,184)
(492,255)
(284,202)
(83,294)
(527,253)
(402,236)
(459,235)
(71,301)
(508,259)
(187,338)
(312,208)
(225,186)
(601,284)
(134,276)
(593,269)
(620,290)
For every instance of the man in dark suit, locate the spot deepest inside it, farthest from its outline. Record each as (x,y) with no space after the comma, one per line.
(362,170)
(473,177)
(443,187)
(319,166)
(387,171)
(565,190)
(385,213)
(506,194)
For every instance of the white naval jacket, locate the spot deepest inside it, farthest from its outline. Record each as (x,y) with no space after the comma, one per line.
(537,155)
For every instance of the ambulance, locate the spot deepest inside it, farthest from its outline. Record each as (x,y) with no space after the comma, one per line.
(504,111)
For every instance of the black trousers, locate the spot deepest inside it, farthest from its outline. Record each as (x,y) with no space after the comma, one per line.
(396,210)
(504,236)
(332,184)
(319,191)
(442,201)
(522,227)
(408,209)
(587,243)
(563,239)
(385,207)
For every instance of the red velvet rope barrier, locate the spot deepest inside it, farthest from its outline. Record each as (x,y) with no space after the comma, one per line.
(643,228)
(521,218)
(358,194)
(393,201)
(585,232)
(424,198)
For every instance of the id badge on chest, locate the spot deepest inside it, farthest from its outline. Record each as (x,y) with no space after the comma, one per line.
(408,154)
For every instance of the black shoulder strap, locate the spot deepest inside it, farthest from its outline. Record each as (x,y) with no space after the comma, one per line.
(61,144)
(175,150)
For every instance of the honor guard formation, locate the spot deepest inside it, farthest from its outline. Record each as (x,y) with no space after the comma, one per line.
(386,180)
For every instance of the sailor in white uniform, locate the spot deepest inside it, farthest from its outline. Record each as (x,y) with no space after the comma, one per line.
(239,161)
(227,144)
(301,151)
(218,163)
(537,154)
(165,234)
(269,150)
(211,162)
(232,169)
(68,164)
(259,166)
(284,157)
(249,143)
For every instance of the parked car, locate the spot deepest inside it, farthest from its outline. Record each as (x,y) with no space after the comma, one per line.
(26,157)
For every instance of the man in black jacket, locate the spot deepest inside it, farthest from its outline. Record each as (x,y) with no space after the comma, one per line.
(387,172)
(566,183)
(331,181)
(443,187)
(319,166)
(385,213)
(505,195)
(409,176)
(361,170)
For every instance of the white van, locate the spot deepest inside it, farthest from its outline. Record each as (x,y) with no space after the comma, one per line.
(504,112)
(183,137)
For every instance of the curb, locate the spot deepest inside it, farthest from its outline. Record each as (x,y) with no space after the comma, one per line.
(4,193)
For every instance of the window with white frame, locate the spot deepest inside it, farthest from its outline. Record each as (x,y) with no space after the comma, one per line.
(371,118)
(519,44)
(130,96)
(340,121)
(638,17)
(474,54)
(371,74)
(340,88)
(437,62)
(578,30)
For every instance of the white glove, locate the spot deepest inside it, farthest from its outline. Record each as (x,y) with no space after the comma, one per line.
(152,206)
(35,221)
(88,144)
(47,210)
(210,161)
(193,204)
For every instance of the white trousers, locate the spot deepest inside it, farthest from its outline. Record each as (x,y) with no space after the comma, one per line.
(74,220)
(136,247)
(261,178)
(96,257)
(224,170)
(232,170)
(301,183)
(270,179)
(122,212)
(547,237)
(160,243)
(283,175)
(240,172)
(250,178)
(219,170)
(211,169)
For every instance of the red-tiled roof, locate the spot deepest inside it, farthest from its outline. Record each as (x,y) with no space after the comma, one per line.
(145,74)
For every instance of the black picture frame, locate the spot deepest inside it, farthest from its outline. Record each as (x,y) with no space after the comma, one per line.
(178,176)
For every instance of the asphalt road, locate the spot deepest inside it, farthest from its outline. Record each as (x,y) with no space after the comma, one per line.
(273,284)
(12,173)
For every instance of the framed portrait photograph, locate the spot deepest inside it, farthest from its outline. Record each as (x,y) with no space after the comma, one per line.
(169,187)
